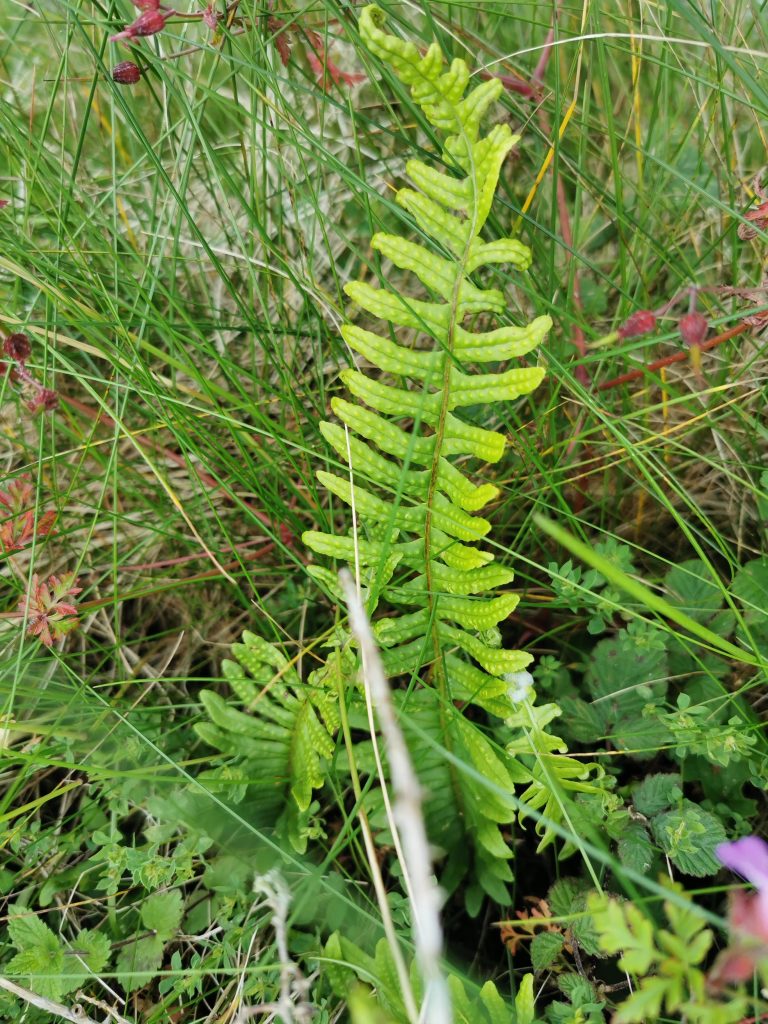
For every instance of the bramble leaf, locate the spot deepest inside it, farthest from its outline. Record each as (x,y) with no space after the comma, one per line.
(689,837)
(545,949)
(162,913)
(657,792)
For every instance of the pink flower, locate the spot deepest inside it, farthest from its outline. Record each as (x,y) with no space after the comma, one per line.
(211,16)
(748,912)
(748,857)
(126,73)
(16,346)
(45,400)
(147,24)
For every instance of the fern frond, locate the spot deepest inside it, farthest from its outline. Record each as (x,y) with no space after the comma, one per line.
(397,429)
(279,738)
(405,439)
(555,777)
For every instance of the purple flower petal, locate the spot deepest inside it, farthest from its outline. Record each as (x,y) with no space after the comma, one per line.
(747,857)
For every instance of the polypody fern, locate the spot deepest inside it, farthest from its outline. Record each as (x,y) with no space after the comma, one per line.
(442,570)
(405,444)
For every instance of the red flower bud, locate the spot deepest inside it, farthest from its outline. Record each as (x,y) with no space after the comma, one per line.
(641,322)
(126,73)
(16,346)
(693,328)
(146,24)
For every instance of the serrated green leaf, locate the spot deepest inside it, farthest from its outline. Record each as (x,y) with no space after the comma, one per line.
(750,586)
(88,953)
(566,896)
(690,587)
(92,947)
(582,721)
(138,961)
(545,949)
(162,913)
(689,837)
(657,792)
(622,678)
(635,849)
(27,930)
(577,988)
(40,968)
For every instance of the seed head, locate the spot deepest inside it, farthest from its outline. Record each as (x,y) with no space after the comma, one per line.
(16,346)
(643,321)
(693,328)
(126,73)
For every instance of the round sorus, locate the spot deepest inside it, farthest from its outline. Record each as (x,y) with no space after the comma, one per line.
(126,73)
(693,328)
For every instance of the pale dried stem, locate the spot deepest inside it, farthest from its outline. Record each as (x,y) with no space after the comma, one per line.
(425,895)
(76,1015)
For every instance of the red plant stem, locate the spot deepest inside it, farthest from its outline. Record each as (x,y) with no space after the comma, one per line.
(209,574)
(678,357)
(513,83)
(165,563)
(546,53)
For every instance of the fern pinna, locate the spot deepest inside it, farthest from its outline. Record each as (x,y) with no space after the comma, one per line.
(405,447)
